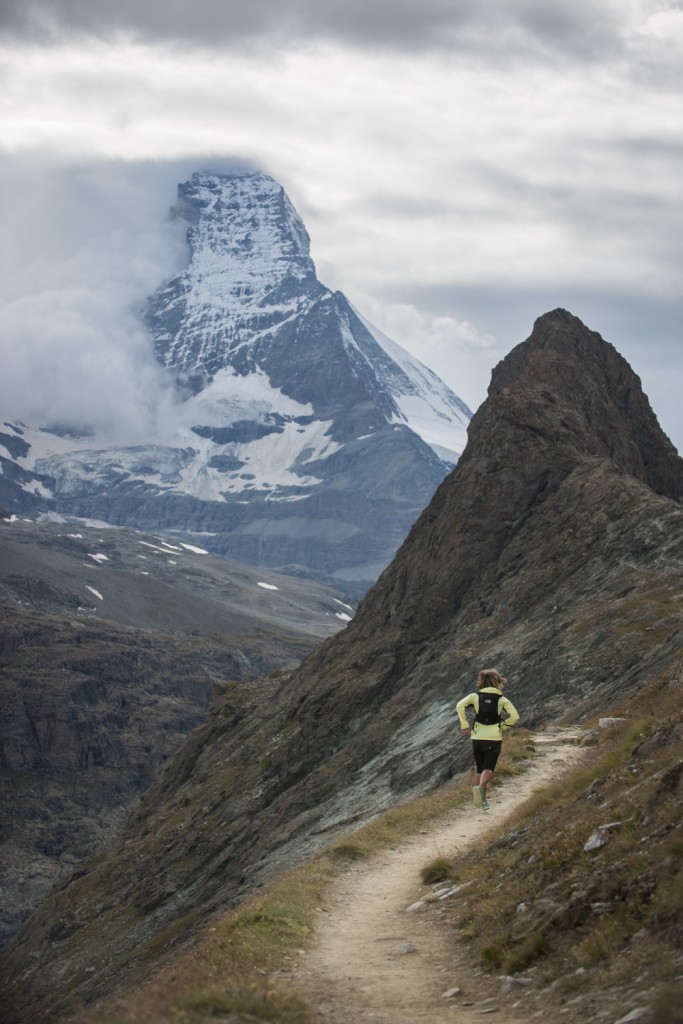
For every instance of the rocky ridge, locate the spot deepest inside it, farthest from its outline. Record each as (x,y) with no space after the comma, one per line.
(553,550)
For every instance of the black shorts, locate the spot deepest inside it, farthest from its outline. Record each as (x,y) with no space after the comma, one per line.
(486,754)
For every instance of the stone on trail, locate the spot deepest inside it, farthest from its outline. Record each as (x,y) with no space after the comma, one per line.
(403,950)
(418,905)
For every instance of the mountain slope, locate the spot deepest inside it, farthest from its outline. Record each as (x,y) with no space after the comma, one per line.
(112,648)
(554,550)
(306,439)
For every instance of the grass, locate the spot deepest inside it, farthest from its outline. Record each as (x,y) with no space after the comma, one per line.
(233,971)
(438,870)
(237,970)
(540,902)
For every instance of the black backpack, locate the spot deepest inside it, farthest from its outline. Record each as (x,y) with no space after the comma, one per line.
(488,713)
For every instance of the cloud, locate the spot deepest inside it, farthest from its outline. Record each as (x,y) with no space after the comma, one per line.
(523,152)
(457,350)
(74,359)
(580,27)
(89,245)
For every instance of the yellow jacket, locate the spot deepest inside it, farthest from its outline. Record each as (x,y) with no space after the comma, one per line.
(486,732)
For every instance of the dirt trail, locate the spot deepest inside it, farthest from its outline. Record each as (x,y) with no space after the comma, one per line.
(373,961)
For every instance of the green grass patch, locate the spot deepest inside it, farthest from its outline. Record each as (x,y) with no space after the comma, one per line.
(531,949)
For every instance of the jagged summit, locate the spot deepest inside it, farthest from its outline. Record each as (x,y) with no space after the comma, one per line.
(249,304)
(561,401)
(307,440)
(250,271)
(605,413)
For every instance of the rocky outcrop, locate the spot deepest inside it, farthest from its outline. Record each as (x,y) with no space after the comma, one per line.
(554,551)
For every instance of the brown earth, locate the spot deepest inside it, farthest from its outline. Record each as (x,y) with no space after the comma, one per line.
(372,960)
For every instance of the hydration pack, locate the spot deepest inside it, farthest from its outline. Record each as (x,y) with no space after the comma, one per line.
(488,713)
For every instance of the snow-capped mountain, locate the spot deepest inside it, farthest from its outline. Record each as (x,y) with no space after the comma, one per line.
(306,438)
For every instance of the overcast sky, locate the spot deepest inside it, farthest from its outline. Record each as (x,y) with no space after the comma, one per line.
(461,168)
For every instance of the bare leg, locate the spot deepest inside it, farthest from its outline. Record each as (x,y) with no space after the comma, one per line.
(483,780)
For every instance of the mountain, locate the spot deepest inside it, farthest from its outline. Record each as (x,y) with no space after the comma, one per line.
(114,645)
(306,439)
(553,550)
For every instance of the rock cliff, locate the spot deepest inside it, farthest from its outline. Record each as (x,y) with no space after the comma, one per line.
(553,551)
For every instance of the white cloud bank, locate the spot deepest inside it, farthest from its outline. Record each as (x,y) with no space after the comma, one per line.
(89,246)
(460,168)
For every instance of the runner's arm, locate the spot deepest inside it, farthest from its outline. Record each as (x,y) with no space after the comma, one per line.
(469,701)
(513,716)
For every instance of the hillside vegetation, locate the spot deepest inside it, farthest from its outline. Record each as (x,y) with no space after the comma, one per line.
(582,892)
(551,918)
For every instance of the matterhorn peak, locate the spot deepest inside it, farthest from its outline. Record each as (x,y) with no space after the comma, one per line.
(305,439)
(250,271)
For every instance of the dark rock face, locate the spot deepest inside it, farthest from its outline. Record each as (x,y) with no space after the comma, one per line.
(90,715)
(554,551)
(562,401)
(21,490)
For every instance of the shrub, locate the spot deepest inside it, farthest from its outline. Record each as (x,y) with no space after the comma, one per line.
(437,871)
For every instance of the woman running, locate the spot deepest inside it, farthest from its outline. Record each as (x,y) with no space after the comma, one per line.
(489,706)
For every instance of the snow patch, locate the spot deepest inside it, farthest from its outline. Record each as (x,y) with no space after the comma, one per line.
(154,547)
(95,592)
(231,397)
(193,549)
(98,558)
(426,404)
(35,487)
(267,586)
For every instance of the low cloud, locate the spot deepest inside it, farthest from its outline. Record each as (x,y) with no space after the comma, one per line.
(74,359)
(89,246)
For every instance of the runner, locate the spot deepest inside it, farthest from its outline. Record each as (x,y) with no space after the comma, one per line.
(489,705)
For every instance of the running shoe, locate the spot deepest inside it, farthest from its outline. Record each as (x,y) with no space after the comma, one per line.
(477,795)
(485,806)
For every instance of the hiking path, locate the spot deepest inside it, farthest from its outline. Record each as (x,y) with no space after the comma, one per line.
(375,962)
